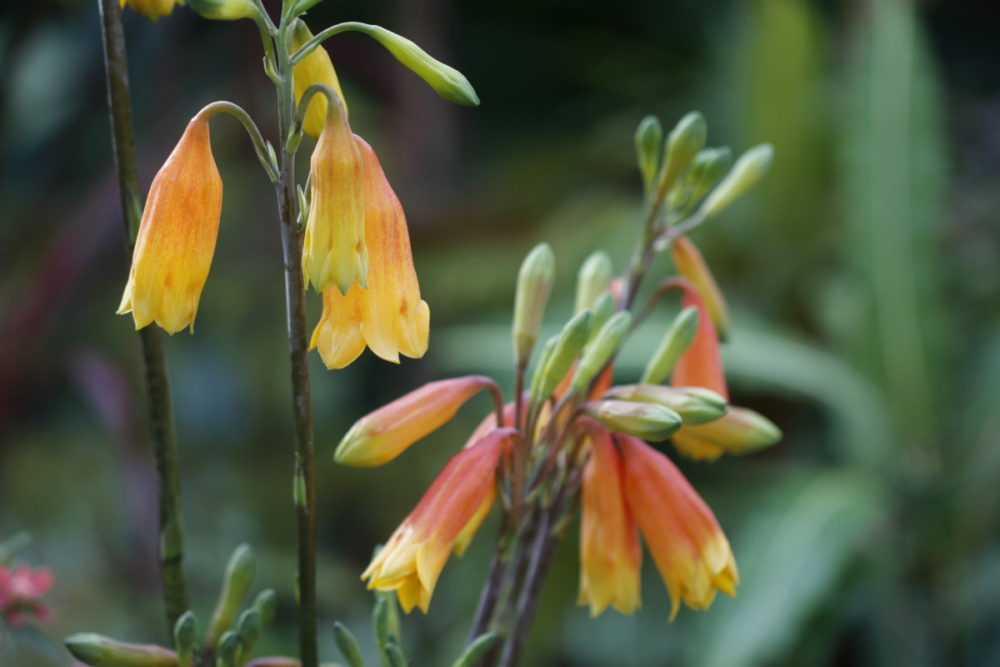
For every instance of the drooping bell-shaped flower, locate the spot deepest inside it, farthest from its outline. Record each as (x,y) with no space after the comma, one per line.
(443,521)
(690,264)
(152,9)
(388,316)
(177,234)
(610,554)
(314,68)
(334,255)
(701,363)
(689,548)
(384,434)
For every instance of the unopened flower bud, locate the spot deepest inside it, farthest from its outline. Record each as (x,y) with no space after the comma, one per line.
(534,284)
(229,648)
(677,339)
(695,405)
(648,148)
(601,348)
(235,584)
(185,637)
(99,651)
(593,279)
(690,264)
(568,347)
(385,618)
(314,68)
(266,604)
(744,175)
(447,81)
(384,434)
(248,627)
(685,140)
(224,10)
(709,165)
(740,431)
(604,307)
(538,375)
(348,645)
(476,649)
(648,421)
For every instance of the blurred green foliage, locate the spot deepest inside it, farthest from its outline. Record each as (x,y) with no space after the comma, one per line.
(863,278)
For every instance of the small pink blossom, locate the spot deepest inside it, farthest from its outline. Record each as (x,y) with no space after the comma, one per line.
(21,589)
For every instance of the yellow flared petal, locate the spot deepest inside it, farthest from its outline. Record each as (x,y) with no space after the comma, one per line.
(180,223)
(314,68)
(338,334)
(334,254)
(464,537)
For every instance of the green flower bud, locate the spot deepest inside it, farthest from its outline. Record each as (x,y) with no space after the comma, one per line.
(708,167)
(224,10)
(678,338)
(475,650)
(348,645)
(593,279)
(602,310)
(248,627)
(747,171)
(568,347)
(266,604)
(695,405)
(447,81)
(538,375)
(185,637)
(534,284)
(394,654)
(648,147)
(229,647)
(99,651)
(648,421)
(685,140)
(235,584)
(740,431)
(601,348)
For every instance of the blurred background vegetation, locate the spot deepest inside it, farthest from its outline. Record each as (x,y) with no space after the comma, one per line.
(863,275)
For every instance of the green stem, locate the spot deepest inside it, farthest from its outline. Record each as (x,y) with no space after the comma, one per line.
(304,481)
(157,381)
(319,37)
(259,144)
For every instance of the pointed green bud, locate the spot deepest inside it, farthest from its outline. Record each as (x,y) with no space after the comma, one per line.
(695,405)
(593,279)
(603,309)
(447,81)
(394,654)
(648,421)
(348,645)
(747,171)
(385,619)
(709,166)
(678,338)
(599,351)
(685,140)
(538,375)
(648,147)
(235,584)
(740,431)
(476,649)
(229,647)
(99,651)
(534,284)
(568,347)
(186,638)
(224,10)
(248,628)
(266,604)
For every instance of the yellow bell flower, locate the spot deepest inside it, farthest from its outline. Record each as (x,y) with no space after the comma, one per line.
(314,68)
(443,521)
(334,255)
(152,9)
(388,316)
(176,241)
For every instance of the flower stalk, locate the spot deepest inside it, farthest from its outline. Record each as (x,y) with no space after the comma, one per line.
(157,381)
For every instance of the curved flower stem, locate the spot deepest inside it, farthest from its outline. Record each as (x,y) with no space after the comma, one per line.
(260,146)
(323,35)
(304,480)
(157,381)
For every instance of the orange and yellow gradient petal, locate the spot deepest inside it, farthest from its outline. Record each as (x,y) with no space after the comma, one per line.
(689,548)
(314,68)
(690,264)
(176,241)
(444,519)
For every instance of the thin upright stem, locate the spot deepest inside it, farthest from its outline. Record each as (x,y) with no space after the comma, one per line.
(161,418)
(304,481)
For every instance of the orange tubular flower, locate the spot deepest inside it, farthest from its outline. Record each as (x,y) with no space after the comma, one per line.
(443,520)
(610,554)
(152,9)
(389,315)
(688,546)
(691,265)
(384,434)
(334,255)
(177,234)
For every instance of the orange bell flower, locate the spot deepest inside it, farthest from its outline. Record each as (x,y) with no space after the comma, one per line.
(701,363)
(444,520)
(177,233)
(610,554)
(689,548)
(690,264)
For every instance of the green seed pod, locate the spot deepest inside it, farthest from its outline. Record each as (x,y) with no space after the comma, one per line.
(747,171)
(601,348)
(99,651)
(593,279)
(534,284)
(678,338)
(695,405)
(648,421)
(235,584)
(648,148)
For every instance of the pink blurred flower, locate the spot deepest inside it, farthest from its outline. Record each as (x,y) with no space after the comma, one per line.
(21,589)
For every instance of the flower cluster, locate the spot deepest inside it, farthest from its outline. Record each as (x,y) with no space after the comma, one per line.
(21,591)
